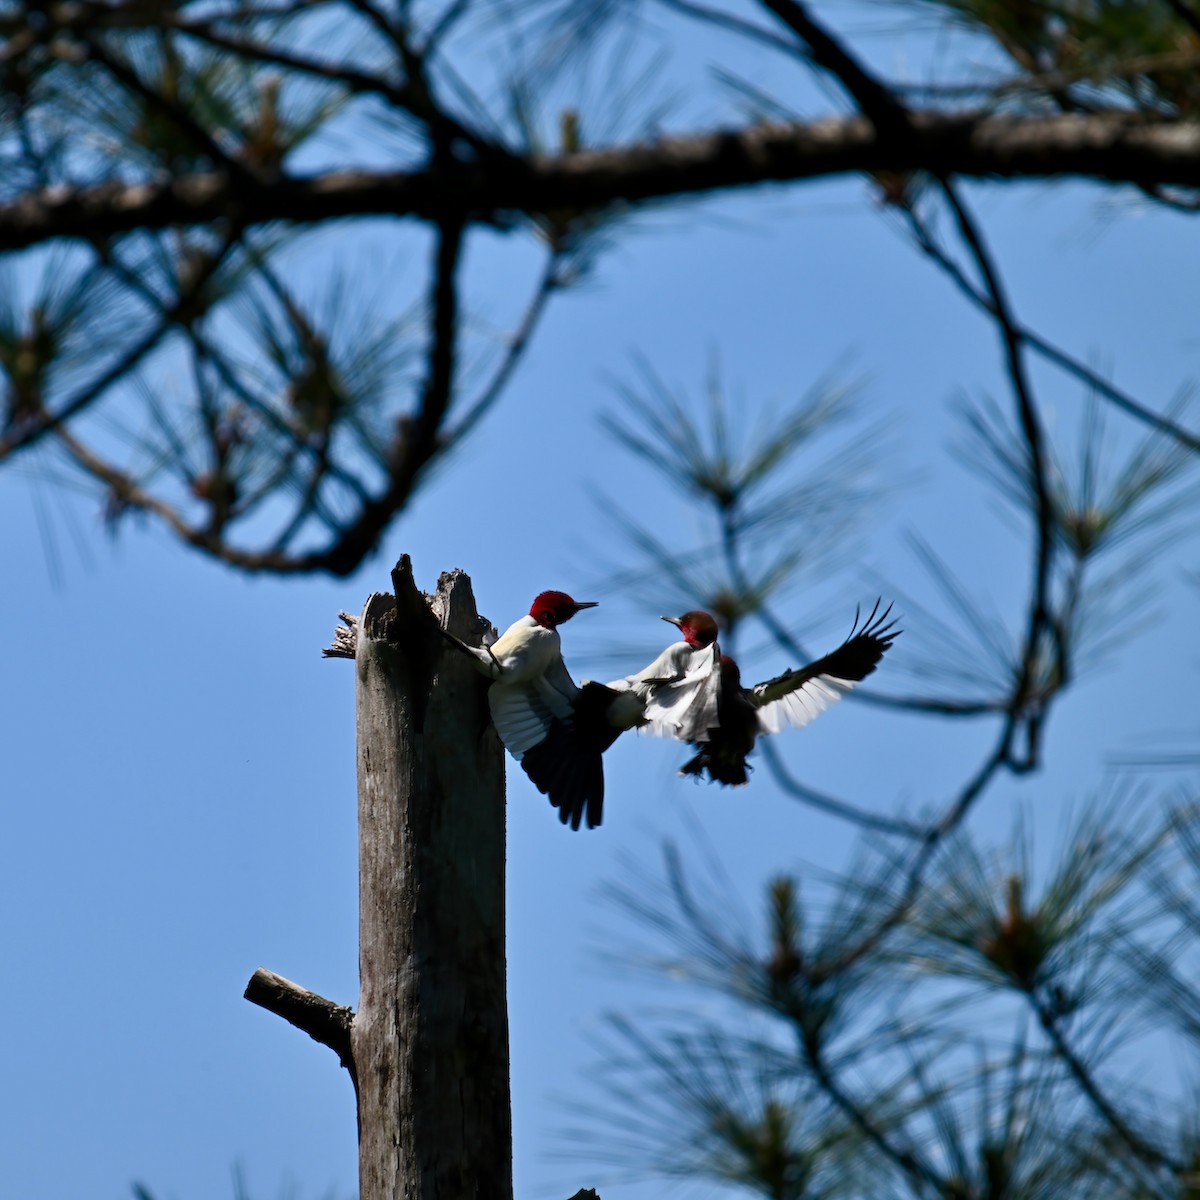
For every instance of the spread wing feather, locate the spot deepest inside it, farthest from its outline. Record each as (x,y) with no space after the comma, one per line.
(796,697)
(570,773)
(523,713)
(537,723)
(681,688)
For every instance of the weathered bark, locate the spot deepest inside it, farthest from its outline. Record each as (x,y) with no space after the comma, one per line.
(430,1039)
(428,1047)
(323,1020)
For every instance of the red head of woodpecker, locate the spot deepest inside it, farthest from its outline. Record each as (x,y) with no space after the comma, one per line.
(551,609)
(697,628)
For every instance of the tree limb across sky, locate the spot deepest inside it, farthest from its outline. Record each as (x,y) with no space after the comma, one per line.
(172,154)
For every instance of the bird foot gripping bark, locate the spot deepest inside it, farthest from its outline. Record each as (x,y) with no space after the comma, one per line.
(481,657)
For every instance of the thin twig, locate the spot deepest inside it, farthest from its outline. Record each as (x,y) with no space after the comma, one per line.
(50,422)
(1030,423)
(1052,353)
(176,113)
(1088,1084)
(838,808)
(418,439)
(518,343)
(878,103)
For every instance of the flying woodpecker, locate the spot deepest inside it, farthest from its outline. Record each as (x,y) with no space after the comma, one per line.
(708,706)
(554,729)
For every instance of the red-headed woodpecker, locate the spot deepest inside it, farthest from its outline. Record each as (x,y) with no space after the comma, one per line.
(675,688)
(555,730)
(722,719)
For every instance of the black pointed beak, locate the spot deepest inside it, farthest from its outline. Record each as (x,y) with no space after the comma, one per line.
(586,604)
(673,621)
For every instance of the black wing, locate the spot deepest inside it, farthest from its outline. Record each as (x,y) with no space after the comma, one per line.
(566,764)
(797,697)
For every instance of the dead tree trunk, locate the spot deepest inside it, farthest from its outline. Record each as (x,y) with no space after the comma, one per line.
(430,1040)
(428,1047)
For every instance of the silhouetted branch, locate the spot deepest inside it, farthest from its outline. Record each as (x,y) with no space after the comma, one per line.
(206,352)
(418,438)
(951,818)
(1054,354)
(739,25)
(1186,13)
(126,492)
(29,431)
(1030,424)
(916,1168)
(518,343)
(1108,148)
(173,112)
(830,804)
(876,101)
(1052,1025)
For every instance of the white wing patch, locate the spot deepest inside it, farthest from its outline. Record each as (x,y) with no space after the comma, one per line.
(679,688)
(522,713)
(686,710)
(798,708)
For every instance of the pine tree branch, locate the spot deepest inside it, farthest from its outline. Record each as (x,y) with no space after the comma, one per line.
(518,343)
(920,1172)
(928,245)
(1052,1025)
(1109,148)
(735,24)
(1185,13)
(27,432)
(861,817)
(875,99)
(419,438)
(1029,420)
(953,816)
(175,113)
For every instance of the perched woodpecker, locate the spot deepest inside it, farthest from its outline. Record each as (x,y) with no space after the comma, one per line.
(723,719)
(554,729)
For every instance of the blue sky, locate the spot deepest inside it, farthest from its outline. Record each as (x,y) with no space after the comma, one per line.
(179,760)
